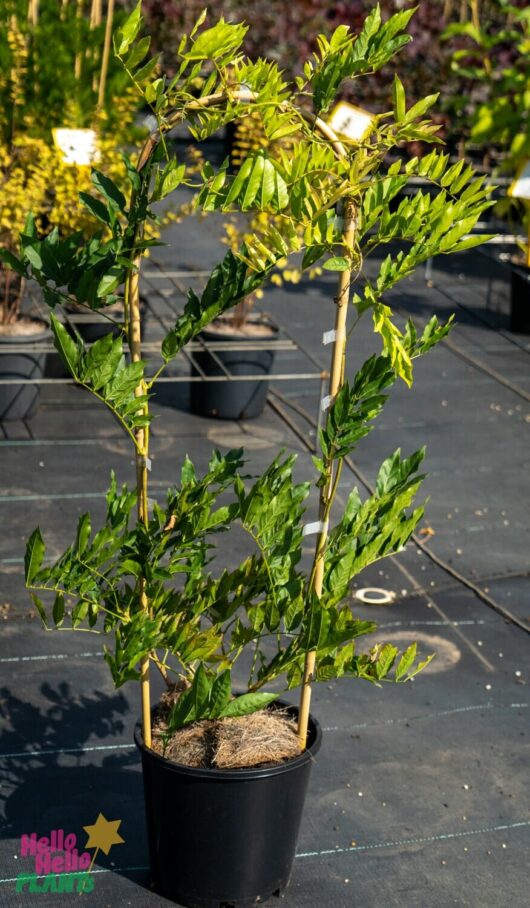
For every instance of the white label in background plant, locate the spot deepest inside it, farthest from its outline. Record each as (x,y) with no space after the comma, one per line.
(350,121)
(520,188)
(78,146)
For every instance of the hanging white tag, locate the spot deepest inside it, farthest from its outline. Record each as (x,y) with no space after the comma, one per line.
(147,462)
(78,146)
(326,402)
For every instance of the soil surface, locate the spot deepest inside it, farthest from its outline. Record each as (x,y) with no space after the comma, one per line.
(23,327)
(266,737)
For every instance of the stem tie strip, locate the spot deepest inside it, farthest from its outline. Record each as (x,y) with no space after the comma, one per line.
(319,526)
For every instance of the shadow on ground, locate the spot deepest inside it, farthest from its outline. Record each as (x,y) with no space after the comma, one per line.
(40,793)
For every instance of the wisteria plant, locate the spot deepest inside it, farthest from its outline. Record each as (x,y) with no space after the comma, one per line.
(148,578)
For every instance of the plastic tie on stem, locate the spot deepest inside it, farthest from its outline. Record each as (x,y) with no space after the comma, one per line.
(326,402)
(319,526)
(147,463)
(329,337)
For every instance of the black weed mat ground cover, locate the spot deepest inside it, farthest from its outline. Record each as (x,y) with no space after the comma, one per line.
(419,796)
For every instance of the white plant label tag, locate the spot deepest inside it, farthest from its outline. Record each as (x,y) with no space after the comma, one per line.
(350,121)
(520,188)
(78,146)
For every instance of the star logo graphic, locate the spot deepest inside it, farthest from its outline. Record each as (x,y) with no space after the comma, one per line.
(103,834)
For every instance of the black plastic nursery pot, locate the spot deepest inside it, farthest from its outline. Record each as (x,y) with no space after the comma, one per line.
(218,837)
(227,399)
(91,326)
(17,401)
(520,300)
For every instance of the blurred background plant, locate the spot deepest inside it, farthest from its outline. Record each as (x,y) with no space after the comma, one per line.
(285,31)
(57,71)
(490,63)
(490,59)
(249,137)
(53,72)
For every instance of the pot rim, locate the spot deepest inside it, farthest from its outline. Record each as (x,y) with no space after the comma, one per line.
(243,773)
(27,339)
(257,319)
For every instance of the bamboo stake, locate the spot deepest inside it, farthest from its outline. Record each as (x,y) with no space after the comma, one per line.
(95,14)
(33,12)
(335,382)
(106,55)
(448,9)
(79,56)
(95,22)
(132,297)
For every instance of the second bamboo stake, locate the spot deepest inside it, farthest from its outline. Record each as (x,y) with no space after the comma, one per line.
(335,383)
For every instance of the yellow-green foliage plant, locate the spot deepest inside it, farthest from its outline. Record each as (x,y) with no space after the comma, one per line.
(51,58)
(148,578)
(492,65)
(250,137)
(51,62)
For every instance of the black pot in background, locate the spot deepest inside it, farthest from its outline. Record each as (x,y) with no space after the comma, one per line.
(18,401)
(91,326)
(221,837)
(231,399)
(520,300)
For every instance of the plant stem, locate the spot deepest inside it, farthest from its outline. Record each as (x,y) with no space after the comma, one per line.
(335,382)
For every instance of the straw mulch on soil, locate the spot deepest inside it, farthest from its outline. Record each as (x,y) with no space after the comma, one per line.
(267,736)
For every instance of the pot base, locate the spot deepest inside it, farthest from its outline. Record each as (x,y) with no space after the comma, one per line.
(259,900)
(520,300)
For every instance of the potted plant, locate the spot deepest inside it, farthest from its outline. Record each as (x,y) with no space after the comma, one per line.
(493,68)
(20,332)
(241,341)
(146,578)
(60,113)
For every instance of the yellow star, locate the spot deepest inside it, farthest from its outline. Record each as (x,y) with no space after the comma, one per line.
(103,834)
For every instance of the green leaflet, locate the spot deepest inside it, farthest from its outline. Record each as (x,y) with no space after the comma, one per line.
(128,31)
(228,283)
(258,184)
(101,369)
(34,556)
(247,703)
(68,349)
(168,179)
(398,98)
